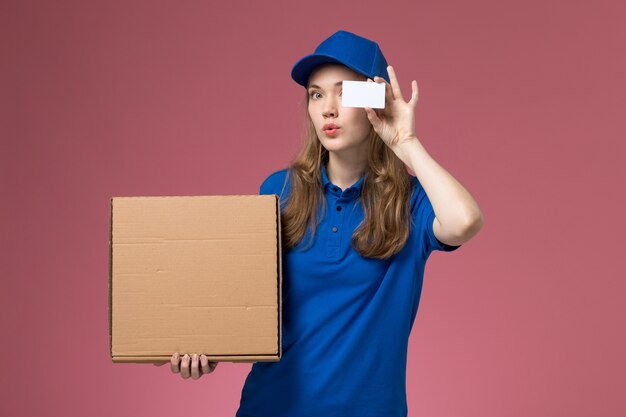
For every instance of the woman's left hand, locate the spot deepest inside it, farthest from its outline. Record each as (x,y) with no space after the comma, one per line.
(395,124)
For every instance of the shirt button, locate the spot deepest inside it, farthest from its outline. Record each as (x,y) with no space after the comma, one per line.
(334,229)
(338,208)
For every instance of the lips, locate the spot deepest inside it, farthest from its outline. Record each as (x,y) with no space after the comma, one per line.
(330,126)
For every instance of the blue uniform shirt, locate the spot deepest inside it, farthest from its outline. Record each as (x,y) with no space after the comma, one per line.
(346,318)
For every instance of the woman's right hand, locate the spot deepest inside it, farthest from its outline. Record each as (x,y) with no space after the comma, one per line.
(193,366)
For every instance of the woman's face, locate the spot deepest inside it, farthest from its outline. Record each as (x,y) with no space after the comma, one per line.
(324,105)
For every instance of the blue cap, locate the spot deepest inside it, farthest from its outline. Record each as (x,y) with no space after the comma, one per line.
(355,52)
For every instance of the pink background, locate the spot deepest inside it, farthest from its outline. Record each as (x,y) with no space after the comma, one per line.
(522,102)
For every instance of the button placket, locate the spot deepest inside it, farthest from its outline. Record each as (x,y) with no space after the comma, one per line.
(335,226)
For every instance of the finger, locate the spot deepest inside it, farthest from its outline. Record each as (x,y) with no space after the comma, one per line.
(394,82)
(388,91)
(195,369)
(206,365)
(184,367)
(175,363)
(373,118)
(415,93)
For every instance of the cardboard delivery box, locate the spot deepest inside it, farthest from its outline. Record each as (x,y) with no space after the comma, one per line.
(197,274)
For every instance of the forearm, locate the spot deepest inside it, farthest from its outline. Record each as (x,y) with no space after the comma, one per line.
(454,207)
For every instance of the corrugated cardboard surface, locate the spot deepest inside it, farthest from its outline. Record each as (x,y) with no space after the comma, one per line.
(196,274)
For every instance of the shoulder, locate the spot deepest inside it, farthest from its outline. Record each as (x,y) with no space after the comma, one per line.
(424,214)
(419,202)
(414,181)
(417,191)
(275,183)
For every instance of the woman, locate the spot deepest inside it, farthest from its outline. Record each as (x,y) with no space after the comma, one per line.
(358,229)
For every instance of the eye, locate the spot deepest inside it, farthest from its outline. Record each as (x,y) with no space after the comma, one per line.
(313,93)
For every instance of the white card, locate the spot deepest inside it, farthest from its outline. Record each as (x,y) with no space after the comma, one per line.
(363,94)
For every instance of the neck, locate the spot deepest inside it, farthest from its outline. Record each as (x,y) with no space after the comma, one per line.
(344,172)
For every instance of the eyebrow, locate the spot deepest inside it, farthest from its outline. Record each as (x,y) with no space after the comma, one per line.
(317,86)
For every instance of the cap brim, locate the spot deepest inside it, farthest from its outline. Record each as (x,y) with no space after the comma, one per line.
(303,68)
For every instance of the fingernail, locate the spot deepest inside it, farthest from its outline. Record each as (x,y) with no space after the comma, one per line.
(176,355)
(195,356)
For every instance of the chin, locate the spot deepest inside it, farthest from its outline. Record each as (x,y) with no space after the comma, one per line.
(335,145)
(332,142)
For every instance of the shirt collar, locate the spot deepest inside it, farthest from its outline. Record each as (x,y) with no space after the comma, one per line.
(351,192)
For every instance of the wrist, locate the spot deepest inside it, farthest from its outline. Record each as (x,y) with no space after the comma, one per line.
(408,150)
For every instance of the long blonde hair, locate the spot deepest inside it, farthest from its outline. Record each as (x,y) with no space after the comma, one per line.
(385,197)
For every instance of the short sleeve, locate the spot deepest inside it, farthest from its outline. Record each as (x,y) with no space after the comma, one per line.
(423,217)
(264,189)
(275,183)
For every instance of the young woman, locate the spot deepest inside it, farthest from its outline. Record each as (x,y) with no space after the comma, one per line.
(358,229)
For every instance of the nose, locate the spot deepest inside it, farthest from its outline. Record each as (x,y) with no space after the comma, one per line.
(331,106)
